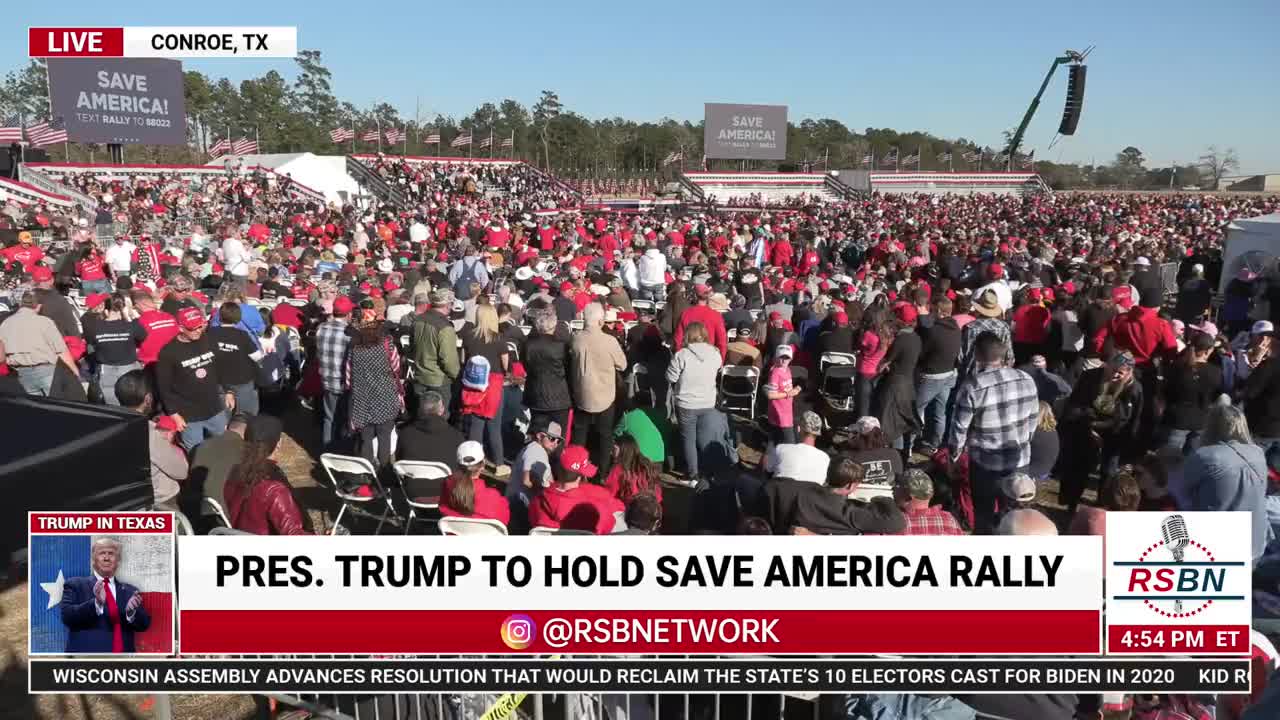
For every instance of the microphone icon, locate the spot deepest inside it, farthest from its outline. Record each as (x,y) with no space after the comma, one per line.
(1174,530)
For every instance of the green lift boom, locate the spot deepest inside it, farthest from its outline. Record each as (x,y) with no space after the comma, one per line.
(1070,57)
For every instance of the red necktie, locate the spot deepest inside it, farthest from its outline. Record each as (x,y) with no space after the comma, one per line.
(113,612)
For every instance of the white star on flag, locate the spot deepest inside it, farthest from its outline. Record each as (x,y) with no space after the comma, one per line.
(55,590)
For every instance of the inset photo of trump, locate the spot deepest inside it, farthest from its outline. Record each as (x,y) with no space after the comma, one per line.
(102,594)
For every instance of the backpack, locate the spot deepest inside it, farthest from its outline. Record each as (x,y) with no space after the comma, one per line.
(475,376)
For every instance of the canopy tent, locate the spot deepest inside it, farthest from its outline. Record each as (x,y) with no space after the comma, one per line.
(325,174)
(1252,243)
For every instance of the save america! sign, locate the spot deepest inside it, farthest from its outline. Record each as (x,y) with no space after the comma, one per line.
(745,132)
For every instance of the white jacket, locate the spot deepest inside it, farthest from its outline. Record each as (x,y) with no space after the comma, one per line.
(653,267)
(630,274)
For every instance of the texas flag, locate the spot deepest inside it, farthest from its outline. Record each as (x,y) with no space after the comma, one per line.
(146,562)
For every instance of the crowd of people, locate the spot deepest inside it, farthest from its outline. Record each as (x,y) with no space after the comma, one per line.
(898,364)
(634,187)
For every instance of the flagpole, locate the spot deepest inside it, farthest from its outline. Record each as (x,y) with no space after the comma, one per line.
(256,142)
(353,136)
(377,123)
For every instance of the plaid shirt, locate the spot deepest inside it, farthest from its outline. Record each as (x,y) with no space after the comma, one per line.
(969,340)
(332,342)
(995,413)
(925,520)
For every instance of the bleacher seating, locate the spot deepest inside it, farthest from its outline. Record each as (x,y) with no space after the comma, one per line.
(758,189)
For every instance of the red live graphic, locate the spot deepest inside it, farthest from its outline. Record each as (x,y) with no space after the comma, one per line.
(1163,639)
(75,42)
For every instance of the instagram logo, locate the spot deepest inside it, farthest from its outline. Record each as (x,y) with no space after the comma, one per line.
(518,631)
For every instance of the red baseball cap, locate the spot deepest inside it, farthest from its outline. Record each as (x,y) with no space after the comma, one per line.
(342,305)
(1034,295)
(575,458)
(40,273)
(997,270)
(906,312)
(841,319)
(190,318)
(95,300)
(1122,297)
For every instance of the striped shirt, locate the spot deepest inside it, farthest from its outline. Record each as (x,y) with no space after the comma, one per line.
(995,415)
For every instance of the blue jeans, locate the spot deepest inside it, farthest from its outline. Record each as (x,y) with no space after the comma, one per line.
(36,379)
(246,398)
(197,430)
(933,395)
(987,500)
(489,430)
(863,387)
(92,287)
(334,417)
(689,436)
(107,377)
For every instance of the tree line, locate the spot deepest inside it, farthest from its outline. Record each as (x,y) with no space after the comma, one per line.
(298,116)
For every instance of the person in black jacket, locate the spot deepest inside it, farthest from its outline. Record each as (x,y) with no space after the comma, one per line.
(894,401)
(940,348)
(1262,402)
(1191,385)
(1100,426)
(839,339)
(546,364)
(430,438)
(826,509)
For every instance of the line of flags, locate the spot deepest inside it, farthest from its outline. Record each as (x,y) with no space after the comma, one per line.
(241,146)
(41,134)
(673,157)
(397,135)
(1027,161)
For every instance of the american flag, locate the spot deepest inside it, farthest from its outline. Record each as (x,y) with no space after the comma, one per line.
(944,157)
(434,137)
(910,159)
(461,141)
(221,147)
(892,155)
(51,134)
(341,134)
(244,146)
(1029,160)
(395,136)
(509,142)
(11,132)
(673,156)
(972,156)
(486,142)
(1001,158)
(371,135)
(868,158)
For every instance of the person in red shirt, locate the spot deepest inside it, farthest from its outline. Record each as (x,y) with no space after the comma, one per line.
(712,320)
(161,327)
(572,504)
(1141,331)
(25,252)
(632,474)
(1030,327)
(93,272)
(465,494)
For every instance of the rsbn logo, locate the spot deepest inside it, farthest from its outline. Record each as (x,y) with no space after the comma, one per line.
(1176,576)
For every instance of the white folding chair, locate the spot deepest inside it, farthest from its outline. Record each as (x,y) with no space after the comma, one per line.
(429,480)
(471,526)
(732,398)
(217,510)
(835,358)
(558,531)
(363,469)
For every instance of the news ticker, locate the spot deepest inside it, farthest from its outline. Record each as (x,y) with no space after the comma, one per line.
(642,676)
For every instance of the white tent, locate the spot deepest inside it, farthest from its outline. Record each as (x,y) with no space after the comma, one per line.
(326,174)
(1254,243)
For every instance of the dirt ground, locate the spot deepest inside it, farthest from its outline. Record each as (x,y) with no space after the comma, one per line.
(296,455)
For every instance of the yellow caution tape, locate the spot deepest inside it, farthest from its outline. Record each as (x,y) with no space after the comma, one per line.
(505,706)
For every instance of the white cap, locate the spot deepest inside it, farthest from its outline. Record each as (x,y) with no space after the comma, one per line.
(340,250)
(1143,262)
(82,222)
(470,453)
(1262,326)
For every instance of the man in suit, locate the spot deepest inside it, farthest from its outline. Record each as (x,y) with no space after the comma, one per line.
(102,612)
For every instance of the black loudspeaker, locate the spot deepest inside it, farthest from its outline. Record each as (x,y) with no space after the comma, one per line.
(1075,100)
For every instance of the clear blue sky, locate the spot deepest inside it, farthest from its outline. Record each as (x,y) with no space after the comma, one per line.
(1167,77)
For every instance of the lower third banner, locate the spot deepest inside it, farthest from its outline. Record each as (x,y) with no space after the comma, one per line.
(639,675)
